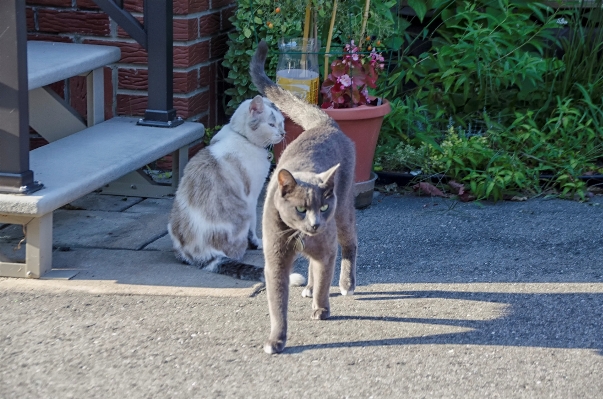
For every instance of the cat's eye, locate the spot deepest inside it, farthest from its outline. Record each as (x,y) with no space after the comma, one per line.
(300,209)
(324,208)
(272,124)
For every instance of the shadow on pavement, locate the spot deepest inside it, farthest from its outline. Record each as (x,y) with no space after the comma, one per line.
(557,320)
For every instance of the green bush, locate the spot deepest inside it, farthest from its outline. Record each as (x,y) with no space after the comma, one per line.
(529,75)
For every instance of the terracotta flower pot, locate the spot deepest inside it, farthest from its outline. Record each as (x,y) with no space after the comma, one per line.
(361,124)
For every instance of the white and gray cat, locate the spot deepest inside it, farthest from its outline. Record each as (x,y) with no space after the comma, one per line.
(213,219)
(309,207)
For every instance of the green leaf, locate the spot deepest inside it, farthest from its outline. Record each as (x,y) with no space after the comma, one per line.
(247,33)
(257,20)
(419,7)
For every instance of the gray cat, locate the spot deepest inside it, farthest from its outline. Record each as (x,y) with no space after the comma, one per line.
(309,207)
(213,219)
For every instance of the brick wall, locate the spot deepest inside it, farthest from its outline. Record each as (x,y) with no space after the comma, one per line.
(200,35)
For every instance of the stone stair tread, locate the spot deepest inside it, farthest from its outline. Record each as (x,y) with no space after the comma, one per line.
(49,62)
(85,161)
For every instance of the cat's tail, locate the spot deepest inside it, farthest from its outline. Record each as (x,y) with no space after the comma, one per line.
(234,268)
(302,113)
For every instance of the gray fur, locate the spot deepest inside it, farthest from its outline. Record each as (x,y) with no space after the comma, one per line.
(314,171)
(213,219)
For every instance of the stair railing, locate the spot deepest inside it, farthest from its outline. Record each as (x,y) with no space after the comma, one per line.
(155,35)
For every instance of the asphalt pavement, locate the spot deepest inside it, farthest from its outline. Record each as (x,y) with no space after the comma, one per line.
(455,300)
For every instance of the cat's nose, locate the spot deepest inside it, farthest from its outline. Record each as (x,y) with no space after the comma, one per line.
(315,226)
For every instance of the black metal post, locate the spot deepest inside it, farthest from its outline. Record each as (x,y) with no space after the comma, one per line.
(156,36)
(15,176)
(158,25)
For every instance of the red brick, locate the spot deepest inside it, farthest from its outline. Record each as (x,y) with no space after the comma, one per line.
(183,7)
(134,5)
(219,46)
(29,17)
(132,79)
(180,7)
(77,95)
(108,75)
(186,56)
(186,29)
(225,18)
(204,76)
(52,3)
(131,105)
(131,53)
(122,33)
(137,79)
(185,82)
(49,38)
(203,119)
(215,4)
(212,106)
(186,107)
(88,23)
(193,105)
(58,87)
(209,24)
(87,5)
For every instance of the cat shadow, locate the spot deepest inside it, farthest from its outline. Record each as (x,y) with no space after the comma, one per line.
(545,320)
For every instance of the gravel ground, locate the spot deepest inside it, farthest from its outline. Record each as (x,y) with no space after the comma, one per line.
(455,301)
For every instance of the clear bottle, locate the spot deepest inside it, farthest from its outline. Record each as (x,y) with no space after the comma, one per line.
(297,69)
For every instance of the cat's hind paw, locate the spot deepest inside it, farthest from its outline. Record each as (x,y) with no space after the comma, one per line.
(272,347)
(307,292)
(344,292)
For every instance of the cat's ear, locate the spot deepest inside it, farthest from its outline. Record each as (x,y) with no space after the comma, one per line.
(286,182)
(328,180)
(256,106)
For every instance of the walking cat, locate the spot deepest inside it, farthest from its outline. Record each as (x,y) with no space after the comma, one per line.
(309,207)
(213,219)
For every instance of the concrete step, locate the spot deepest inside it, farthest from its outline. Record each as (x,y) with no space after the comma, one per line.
(49,62)
(76,165)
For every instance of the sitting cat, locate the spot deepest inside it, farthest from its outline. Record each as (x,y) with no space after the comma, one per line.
(213,219)
(309,207)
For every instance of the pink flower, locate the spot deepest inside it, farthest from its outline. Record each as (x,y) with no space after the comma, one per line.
(345,80)
(355,57)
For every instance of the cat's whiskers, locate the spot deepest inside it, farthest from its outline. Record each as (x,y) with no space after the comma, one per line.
(281,233)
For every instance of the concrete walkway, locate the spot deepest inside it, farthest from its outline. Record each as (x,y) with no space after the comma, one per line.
(455,300)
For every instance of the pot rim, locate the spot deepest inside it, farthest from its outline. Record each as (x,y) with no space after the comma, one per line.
(361,112)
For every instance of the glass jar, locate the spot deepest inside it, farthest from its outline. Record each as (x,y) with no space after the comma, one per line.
(297,69)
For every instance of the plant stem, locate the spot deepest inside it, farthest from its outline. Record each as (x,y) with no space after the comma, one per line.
(328,48)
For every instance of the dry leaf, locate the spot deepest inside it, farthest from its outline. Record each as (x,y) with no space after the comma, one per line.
(429,189)
(518,198)
(467,197)
(456,188)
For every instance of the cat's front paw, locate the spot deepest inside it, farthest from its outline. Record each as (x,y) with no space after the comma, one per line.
(272,347)
(321,314)
(307,292)
(345,292)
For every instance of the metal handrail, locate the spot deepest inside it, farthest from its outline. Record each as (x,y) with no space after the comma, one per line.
(155,35)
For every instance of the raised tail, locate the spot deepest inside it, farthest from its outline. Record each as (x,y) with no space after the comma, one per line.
(302,113)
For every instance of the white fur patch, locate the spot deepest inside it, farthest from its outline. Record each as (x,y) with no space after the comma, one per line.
(296,280)
(307,293)
(346,292)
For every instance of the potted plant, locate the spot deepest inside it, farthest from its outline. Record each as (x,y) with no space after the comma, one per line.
(345,97)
